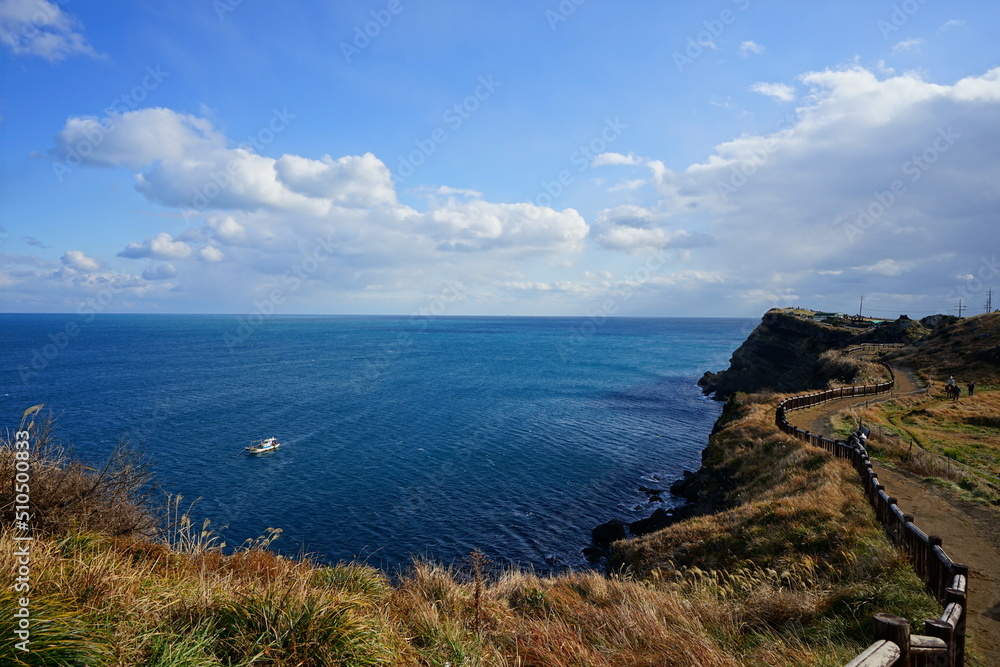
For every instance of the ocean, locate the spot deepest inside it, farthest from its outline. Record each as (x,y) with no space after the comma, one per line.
(401,437)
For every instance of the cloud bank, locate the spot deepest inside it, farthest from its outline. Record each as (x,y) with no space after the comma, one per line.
(40,28)
(874,182)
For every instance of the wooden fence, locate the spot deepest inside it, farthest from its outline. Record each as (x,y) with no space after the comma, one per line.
(943,641)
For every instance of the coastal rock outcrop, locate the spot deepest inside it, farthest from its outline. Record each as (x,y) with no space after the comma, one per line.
(780,355)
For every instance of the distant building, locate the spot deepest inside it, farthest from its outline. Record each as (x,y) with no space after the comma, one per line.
(861,320)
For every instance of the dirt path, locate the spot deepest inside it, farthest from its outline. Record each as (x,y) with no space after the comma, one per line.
(970,533)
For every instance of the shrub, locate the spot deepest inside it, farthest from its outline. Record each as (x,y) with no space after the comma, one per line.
(68,495)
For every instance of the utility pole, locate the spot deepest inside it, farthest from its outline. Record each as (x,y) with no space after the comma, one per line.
(959,308)
(989,301)
(862,306)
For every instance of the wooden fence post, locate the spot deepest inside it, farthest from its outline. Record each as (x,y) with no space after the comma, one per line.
(934,627)
(907,538)
(959,597)
(933,565)
(897,630)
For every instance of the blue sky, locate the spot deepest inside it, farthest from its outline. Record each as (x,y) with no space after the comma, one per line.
(511,158)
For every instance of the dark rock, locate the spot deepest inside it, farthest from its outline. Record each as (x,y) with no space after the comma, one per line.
(659,519)
(710,382)
(688,486)
(652,491)
(608,532)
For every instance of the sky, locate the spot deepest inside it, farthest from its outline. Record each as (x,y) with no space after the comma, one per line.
(575,157)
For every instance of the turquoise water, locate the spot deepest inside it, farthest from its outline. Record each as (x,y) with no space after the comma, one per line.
(401,436)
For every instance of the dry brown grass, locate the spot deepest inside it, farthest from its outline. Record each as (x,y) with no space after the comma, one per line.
(796,525)
(136,602)
(843,370)
(967,349)
(921,433)
(67,494)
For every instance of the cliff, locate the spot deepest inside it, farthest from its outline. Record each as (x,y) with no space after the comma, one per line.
(781,354)
(785,353)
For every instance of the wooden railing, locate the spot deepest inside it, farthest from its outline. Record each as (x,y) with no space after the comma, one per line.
(943,644)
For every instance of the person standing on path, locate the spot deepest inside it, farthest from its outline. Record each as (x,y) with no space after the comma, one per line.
(971,387)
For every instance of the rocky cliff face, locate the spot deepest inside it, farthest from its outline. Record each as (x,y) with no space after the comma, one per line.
(780,355)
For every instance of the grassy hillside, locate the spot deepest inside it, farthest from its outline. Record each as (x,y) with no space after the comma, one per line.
(927,434)
(968,348)
(798,513)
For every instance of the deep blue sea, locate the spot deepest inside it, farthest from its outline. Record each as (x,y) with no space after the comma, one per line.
(401,436)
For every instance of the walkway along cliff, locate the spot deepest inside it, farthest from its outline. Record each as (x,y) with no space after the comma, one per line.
(943,643)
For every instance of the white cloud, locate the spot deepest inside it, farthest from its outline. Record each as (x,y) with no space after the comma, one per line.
(632,229)
(226,230)
(953,23)
(163,246)
(750,47)
(138,138)
(40,28)
(882,68)
(446,190)
(615,159)
(783,210)
(522,228)
(779,91)
(267,214)
(348,181)
(888,267)
(76,259)
(906,45)
(210,254)
(192,166)
(160,272)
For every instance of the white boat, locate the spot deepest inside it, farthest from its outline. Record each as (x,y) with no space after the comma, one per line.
(264,445)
